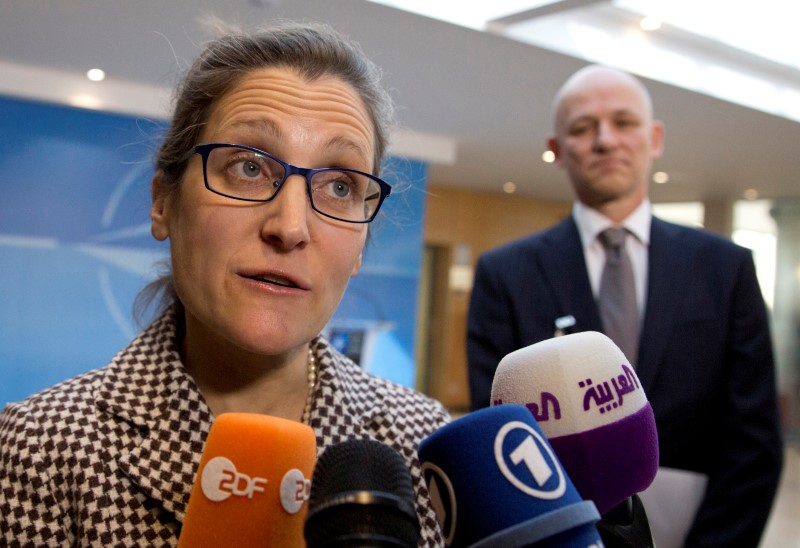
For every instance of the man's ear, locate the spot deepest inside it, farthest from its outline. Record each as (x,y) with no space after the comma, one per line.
(555,148)
(657,138)
(159,210)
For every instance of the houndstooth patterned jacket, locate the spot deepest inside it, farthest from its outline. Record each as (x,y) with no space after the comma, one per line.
(108,458)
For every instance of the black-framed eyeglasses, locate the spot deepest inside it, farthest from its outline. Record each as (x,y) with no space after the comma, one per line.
(246,173)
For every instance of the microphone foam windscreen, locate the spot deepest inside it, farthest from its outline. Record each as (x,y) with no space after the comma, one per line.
(361,495)
(588,401)
(495,481)
(252,485)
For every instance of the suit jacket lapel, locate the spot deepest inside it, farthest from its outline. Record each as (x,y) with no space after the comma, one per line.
(668,273)
(341,409)
(157,420)
(564,267)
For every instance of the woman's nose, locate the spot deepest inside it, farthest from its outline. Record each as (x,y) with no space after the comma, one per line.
(287,214)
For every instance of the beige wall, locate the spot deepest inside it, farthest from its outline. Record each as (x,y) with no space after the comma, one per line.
(484,220)
(481,221)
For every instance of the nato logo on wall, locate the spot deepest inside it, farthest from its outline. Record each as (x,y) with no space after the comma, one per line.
(76,249)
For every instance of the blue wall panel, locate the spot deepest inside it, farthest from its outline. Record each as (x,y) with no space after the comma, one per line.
(75,248)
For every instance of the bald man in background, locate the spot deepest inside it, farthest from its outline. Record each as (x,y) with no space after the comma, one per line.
(700,341)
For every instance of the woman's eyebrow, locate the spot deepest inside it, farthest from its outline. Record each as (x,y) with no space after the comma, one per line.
(271,129)
(259,127)
(345,144)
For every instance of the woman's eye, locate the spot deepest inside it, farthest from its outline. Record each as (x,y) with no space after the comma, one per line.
(250,169)
(335,185)
(341,188)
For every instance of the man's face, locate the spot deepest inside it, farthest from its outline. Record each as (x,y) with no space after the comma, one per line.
(606,138)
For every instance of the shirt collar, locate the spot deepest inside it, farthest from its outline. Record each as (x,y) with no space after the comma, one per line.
(591,223)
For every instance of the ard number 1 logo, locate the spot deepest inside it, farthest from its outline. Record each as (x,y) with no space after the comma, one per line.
(520,443)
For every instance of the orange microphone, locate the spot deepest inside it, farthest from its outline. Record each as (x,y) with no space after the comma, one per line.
(252,485)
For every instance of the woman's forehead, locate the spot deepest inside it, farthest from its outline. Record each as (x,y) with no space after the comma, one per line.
(276,98)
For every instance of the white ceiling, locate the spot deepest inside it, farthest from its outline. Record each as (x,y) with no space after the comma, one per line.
(487,95)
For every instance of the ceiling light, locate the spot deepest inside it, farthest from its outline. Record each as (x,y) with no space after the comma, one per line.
(509,187)
(650,23)
(96,75)
(660,177)
(549,156)
(85,100)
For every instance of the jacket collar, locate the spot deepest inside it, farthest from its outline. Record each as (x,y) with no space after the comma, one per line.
(161,420)
(345,405)
(563,264)
(147,389)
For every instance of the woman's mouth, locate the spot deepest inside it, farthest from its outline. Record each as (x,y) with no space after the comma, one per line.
(273,280)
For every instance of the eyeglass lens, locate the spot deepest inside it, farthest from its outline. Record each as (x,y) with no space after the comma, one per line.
(246,174)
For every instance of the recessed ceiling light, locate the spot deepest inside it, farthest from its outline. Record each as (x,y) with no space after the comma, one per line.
(750,194)
(85,100)
(509,187)
(96,75)
(650,23)
(549,156)
(660,177)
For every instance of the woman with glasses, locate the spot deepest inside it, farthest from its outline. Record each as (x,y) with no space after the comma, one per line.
(265,186)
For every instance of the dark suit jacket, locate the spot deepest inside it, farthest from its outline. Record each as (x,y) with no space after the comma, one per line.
(705,358)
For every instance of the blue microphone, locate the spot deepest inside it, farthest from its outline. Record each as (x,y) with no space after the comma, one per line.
(495,481)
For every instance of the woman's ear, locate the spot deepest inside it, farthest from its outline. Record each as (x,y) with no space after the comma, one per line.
(159,210)
(357,266)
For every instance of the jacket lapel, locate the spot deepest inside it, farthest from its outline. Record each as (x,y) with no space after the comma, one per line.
(342,410)
(157,421)
(564,268)
(160,421)
(668,276)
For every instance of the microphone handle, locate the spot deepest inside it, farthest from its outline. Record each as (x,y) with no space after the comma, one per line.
(626,525)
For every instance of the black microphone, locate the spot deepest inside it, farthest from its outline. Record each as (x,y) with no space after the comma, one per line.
(626,525)
(361,495)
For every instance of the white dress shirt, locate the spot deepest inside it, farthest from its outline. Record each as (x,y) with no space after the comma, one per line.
(591,224)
